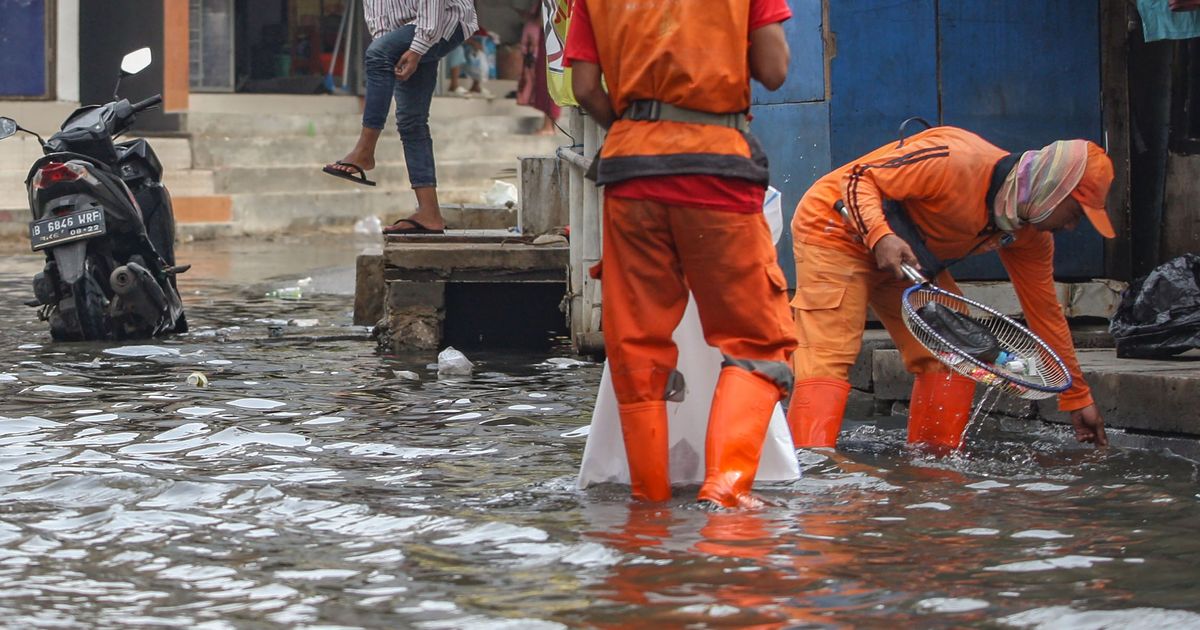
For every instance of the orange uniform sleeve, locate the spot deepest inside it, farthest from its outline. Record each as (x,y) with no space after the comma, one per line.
(915,171)
(1030,264)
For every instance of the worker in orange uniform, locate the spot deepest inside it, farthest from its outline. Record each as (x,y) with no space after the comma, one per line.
(951,194)
(685,182)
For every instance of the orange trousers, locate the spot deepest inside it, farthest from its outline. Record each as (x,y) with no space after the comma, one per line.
(833,290)
(653,254)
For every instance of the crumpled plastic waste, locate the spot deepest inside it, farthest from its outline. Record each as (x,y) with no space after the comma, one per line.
(501,194)
(406,375)
(197,379)
(451,362)
(303,323)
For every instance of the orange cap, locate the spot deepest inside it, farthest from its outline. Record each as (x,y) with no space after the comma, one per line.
(1092,191)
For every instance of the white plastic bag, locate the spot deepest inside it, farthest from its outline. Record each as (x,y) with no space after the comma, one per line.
(451,362)
(604,459)
(501,195)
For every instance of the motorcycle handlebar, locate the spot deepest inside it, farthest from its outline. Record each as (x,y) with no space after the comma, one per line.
(153,101)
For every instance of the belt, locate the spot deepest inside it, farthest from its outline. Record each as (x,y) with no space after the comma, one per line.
(658,110)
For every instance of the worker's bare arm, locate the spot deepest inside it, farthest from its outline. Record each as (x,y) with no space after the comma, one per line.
(585,81)
(769,55)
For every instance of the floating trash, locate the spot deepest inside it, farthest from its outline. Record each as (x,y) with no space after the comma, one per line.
(61,389)
(197,379)
(564,363)
(255,403)
(406,375)
(451,362)
(141,351)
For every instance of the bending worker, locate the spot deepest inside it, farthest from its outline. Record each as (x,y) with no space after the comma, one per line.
(685,182)
(961,196)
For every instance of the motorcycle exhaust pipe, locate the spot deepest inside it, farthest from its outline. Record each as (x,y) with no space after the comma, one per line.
(123,280)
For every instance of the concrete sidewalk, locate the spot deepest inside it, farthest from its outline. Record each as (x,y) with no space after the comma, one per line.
(1159,397)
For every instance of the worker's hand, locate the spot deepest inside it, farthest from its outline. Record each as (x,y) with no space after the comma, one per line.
(407,65)
(1089,425)
(891,251)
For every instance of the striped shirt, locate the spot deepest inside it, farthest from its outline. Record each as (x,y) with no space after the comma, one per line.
(435,19)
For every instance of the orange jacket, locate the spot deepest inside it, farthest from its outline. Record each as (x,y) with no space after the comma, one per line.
(942,176)
(692,55)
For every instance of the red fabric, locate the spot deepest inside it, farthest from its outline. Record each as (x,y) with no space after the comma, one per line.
(704,191)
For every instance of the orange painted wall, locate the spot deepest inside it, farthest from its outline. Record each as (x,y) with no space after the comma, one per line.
(175,51)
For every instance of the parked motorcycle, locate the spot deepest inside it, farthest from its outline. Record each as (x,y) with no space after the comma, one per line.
(104,220)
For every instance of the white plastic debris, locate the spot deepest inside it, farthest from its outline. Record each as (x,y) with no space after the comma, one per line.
(197,379)
(368,226)
(501,194)
(564,363)
(451,362)
(303,323)
(406,375)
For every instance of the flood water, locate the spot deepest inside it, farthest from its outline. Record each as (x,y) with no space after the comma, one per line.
(308,485)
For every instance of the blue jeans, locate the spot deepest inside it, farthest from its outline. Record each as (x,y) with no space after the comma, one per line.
(413,97)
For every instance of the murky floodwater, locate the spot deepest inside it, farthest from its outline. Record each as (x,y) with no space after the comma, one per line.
(309,485)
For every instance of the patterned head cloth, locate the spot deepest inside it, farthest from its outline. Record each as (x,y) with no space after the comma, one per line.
(1041,180)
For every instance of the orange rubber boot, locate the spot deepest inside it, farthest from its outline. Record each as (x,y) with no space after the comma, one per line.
(644,427)
(940,409)
(815,414)
(737,427)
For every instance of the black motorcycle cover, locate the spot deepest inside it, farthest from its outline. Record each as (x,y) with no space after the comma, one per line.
(961,331)
(1159,314)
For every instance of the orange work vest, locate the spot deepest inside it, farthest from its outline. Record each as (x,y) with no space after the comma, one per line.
(692,54)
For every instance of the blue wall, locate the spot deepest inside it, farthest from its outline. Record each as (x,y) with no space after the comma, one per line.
(1021,74)
(793,122)
(23,48)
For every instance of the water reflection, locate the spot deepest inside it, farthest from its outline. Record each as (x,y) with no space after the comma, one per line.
(309,484)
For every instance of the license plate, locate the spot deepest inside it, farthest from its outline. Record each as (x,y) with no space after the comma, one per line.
(66,228)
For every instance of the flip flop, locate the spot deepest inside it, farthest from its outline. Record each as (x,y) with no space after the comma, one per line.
(360,178)
(397,229)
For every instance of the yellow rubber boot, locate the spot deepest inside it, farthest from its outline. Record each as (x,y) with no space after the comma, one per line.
(816,410)
(644,428)
(940,410)
(737,427)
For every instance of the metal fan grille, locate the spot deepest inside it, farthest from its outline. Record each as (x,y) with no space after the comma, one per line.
(1048,377)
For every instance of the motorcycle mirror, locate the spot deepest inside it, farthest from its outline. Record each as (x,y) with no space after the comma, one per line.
(8,127)
(136,61)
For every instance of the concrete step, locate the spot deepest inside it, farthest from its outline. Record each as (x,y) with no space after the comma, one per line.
(519,120)
(19,152)
(392,175)
(187,183)
(214,152)
(43,117)
(276,212)
(190,183)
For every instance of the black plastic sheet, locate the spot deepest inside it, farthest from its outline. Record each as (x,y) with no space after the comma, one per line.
(1159,314)
(966,334)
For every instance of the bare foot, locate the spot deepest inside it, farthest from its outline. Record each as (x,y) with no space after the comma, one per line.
(367,162)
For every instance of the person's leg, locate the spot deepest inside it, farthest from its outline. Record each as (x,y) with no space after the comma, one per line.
(643,301)
(413,98)
(830,314)
(741,296)
(379,64)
